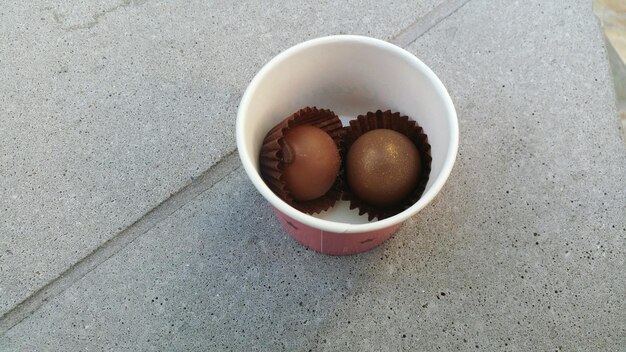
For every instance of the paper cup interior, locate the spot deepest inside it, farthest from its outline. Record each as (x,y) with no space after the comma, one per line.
(350,75)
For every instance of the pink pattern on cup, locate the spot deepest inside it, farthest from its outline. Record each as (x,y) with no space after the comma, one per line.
(334,243)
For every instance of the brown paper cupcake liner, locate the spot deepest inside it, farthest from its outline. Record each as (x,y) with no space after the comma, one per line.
(271,163)
(398,123)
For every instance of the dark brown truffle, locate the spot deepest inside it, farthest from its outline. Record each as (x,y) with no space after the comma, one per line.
(311,161)
(383,167)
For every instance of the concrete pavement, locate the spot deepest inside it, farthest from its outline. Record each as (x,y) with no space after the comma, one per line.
(523,250)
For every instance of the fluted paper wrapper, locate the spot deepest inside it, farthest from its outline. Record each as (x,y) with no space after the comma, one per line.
(272,166)
(402,124)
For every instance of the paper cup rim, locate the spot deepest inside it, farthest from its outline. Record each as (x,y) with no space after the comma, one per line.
(333,226)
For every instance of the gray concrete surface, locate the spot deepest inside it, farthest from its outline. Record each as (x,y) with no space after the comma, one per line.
(524,249)
(108,107)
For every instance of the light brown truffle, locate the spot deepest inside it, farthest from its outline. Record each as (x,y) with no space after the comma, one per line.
(311,160)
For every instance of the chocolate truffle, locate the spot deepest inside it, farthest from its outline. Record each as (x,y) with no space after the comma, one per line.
(383,167)
(276,155)
(311,160)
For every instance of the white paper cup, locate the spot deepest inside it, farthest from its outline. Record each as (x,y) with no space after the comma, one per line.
(349,75)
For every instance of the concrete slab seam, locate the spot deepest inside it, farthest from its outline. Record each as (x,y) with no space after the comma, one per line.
(426,22)
(226,166)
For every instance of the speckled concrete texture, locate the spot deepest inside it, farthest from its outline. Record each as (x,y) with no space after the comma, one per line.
(108,107)
(523,250)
